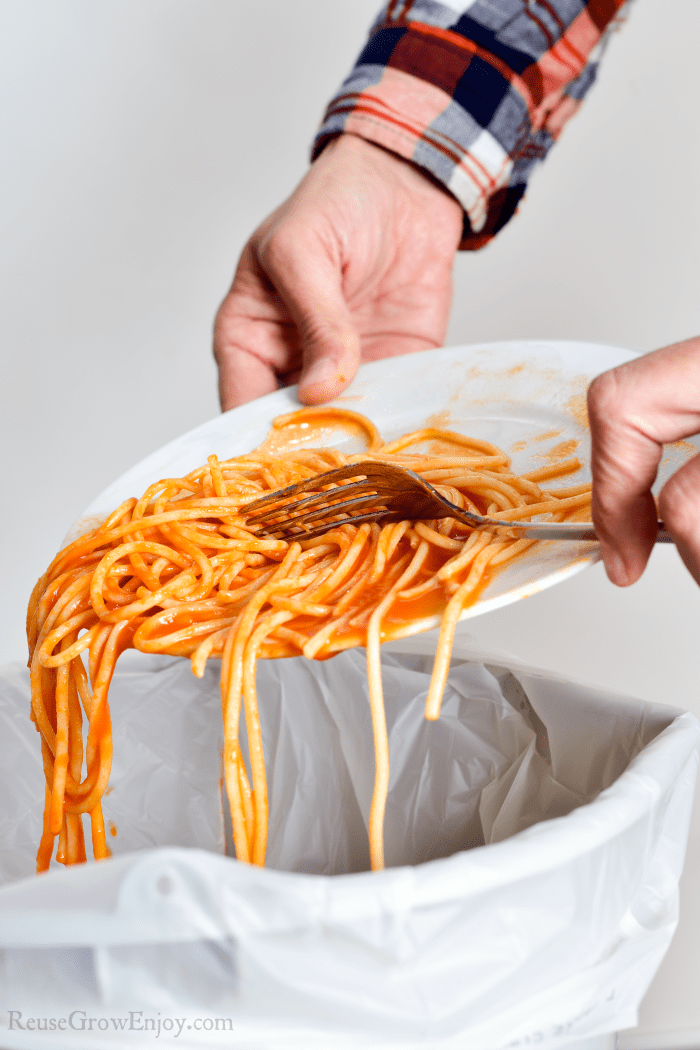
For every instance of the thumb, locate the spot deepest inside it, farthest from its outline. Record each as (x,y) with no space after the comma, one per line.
(331,356)
(679,505)
(310,285)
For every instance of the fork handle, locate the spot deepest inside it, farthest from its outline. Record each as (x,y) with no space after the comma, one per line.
(565,530)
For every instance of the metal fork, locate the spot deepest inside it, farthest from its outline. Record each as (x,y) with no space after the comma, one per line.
(387,493)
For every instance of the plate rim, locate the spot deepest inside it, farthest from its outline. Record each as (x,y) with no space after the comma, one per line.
(262,410)
(257,409)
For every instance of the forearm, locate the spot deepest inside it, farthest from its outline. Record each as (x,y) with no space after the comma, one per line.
(475,98)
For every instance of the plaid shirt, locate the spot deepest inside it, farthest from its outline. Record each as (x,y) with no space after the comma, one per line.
(474,91)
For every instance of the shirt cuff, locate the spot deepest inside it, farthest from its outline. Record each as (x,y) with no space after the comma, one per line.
(476,106)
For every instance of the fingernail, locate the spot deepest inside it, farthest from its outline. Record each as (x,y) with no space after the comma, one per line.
(322,371)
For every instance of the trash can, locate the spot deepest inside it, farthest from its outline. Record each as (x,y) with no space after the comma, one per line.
(534,840)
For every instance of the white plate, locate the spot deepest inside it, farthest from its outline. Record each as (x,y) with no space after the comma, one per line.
(526,397)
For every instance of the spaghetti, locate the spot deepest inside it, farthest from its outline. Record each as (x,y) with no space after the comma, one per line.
(179,572)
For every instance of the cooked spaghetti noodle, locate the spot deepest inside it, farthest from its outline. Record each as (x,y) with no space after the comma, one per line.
(179,572)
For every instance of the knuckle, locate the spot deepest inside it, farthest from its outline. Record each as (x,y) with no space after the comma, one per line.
(227,327)
(219,342)
(276,249)
(607,397)
(319,330)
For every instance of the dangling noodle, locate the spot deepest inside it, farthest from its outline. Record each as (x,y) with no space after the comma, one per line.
(179,572)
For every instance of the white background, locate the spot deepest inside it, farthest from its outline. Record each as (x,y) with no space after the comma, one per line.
(142,142)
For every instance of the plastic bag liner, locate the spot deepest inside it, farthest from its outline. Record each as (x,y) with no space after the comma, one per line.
(534,838)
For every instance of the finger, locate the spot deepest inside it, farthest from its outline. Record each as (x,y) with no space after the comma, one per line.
(634,410)
(243,377)
(624,462)
(309,282)
(253,346)
(679,506)
(255,340)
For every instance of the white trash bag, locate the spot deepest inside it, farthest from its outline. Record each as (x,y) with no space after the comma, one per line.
(534,839)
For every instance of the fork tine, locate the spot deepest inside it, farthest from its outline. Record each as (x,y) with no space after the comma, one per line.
(329,496)
(376,485)
(346,506)
(354,470)
(327,526)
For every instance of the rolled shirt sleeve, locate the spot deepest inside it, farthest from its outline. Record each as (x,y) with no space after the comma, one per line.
(475,93)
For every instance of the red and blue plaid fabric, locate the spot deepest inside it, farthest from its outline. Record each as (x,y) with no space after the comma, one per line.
(474,92)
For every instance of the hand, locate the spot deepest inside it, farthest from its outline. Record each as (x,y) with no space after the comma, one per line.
(634,410)
(354,266)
